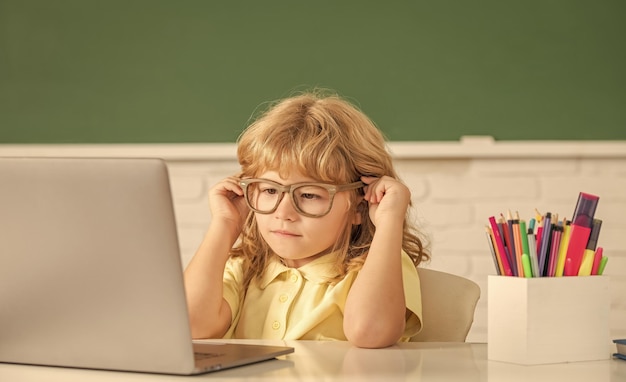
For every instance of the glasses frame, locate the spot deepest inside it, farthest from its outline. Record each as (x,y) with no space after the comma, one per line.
(289,189)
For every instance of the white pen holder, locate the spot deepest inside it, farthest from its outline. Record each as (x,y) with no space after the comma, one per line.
(548,320)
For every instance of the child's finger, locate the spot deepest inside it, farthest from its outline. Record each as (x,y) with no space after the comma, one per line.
(370,182)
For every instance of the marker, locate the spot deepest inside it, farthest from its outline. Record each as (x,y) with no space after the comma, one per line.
(531,225)
(523,236)
(560,264)
(500,246)
(602,265)
(528,273)
(587,264)
(554,249)
(588,256)
(582,222)
(539,232)
(532,253)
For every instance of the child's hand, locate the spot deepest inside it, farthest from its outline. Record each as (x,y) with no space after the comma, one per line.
(227,203)
(388,198)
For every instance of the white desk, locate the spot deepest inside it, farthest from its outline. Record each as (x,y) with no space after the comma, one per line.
(338,361)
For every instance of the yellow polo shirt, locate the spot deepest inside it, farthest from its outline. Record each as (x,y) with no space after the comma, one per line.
(300,304)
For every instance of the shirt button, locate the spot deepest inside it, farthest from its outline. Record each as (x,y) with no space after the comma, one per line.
(276,325)
(294,278)
(283,298)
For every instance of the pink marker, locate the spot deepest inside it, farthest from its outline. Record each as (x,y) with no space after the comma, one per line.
(579,232)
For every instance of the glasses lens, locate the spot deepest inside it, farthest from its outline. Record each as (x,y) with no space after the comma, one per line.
(312,200)
(262,196)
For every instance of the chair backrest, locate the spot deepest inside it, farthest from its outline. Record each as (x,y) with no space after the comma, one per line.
(448,304)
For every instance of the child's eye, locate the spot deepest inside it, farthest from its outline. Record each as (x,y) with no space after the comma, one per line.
(312,193)
(269,191)
(309,196)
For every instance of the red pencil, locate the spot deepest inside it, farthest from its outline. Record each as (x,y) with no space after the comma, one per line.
(596,261)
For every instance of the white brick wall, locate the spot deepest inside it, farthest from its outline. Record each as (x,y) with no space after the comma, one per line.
(455,188)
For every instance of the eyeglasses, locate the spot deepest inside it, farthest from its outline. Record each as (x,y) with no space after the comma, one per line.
(310,199)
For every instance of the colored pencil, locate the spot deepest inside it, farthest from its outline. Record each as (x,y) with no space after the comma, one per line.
(517,241)
(494,254)
(506,266)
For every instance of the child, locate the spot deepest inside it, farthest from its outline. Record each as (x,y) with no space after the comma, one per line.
(311,240)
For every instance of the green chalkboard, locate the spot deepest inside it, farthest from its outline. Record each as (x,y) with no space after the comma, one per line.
(150,71)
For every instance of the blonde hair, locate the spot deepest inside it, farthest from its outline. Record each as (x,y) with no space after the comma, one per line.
(330,140)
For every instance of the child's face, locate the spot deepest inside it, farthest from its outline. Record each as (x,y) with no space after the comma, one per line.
(298,239)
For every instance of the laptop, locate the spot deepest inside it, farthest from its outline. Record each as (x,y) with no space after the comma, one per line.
(91,274)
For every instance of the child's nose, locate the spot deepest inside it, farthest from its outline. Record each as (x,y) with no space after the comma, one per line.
(285,209)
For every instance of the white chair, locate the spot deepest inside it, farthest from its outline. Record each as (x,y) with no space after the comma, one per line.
(448,304)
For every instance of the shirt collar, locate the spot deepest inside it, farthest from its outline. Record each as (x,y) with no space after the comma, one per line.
(319,270)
